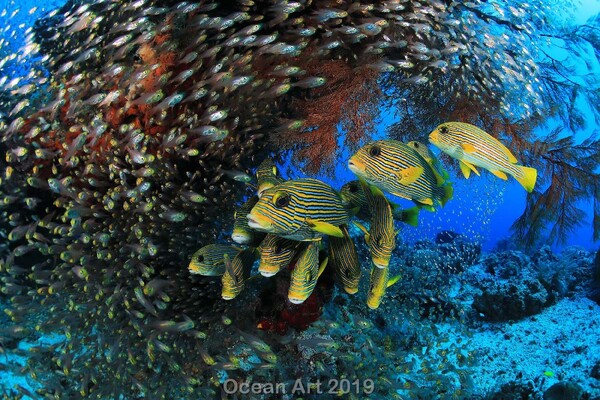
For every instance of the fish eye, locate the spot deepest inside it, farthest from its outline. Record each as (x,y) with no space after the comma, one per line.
(374,151)
(200,258)
(278,249)
(416,145)
(282,200)
(444,130)
(353,188)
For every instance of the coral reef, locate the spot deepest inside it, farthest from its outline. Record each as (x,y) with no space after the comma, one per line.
(513,285)
(565,391)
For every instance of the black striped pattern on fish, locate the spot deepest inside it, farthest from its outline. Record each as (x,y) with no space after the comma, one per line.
(382,236)
(208,261)
(242,233)
(234,280)
(393,156)
(267,176)
(490,154)
(378,282)
(276,253)
(344,259)
(305,274)
(306,199)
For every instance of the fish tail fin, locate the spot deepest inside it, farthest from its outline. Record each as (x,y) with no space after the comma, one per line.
(409,216)
(528,179)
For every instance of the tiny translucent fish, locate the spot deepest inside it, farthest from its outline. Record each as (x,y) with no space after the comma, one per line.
(311,82)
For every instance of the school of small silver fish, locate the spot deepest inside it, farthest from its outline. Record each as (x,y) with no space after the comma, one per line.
(130,126)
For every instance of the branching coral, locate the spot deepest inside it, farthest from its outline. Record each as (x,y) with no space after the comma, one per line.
(349,100)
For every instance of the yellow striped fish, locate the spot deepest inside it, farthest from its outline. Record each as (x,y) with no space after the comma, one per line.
(378,283)
(398,169)
(344,259)
(354,200)
(267,176)
(242,233)
(237,272)
(276,253)
(473,147)
(381,237)
(209,260)
(431,159)
(300,209)
(305,274)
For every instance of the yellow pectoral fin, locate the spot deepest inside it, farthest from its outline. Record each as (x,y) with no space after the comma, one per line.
(409,175)
(322,267)
(465,170)
(428,202)
(500,174)
(325,227)
(393,280)
(468,148)
(468,165)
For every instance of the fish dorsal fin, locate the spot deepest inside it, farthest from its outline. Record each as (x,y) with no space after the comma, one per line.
(393,280)
(322,266)
(408,175)
(325,227)
(468,148)
(499,174)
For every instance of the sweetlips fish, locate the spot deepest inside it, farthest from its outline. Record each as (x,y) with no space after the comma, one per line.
(305,274)
(379,281)
(276,253)
(237,272)
(473,147)
(301,209)
(381,237)
(242,233)
(398,169)
(267,176)
(431,159)
(344,259)
(209,260)
(354,200)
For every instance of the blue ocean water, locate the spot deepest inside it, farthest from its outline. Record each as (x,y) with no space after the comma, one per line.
(552,340)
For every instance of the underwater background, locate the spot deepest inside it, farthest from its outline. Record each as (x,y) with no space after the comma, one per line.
(132,132)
